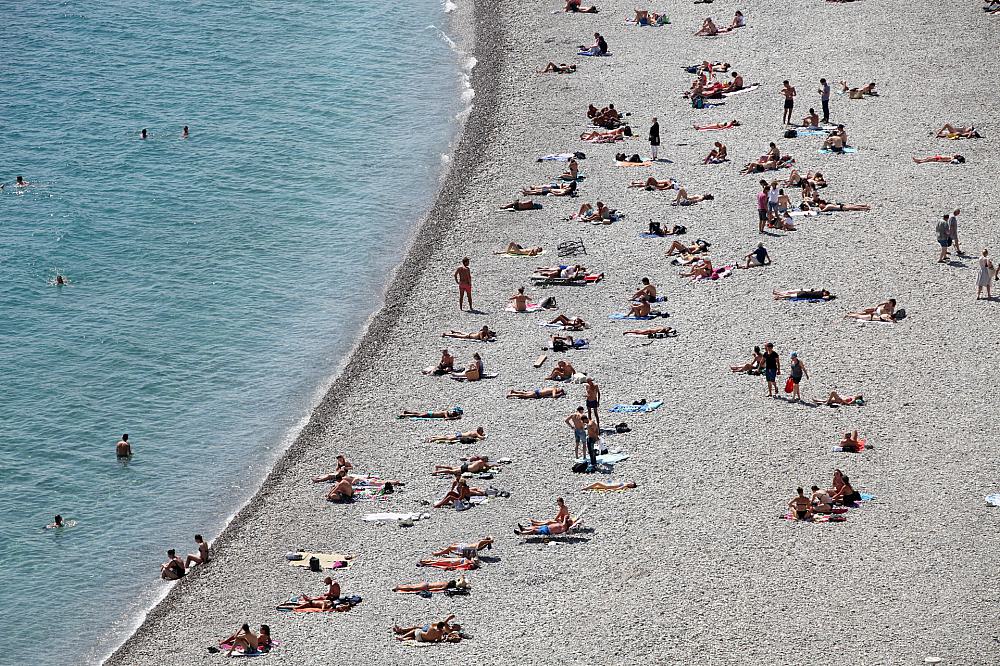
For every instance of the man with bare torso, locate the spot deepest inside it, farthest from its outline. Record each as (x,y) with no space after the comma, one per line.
(463,278)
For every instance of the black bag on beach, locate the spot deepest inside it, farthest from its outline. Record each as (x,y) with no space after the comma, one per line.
(314,564)
(791,134)
(579,468)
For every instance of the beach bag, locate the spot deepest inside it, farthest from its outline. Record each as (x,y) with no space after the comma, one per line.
(549,303)
(791,134)
(789,385)
(558,345)
(899,314)
(314,564)
(697,102)
(579,468)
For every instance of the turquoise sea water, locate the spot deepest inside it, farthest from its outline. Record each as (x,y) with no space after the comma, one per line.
(215,282)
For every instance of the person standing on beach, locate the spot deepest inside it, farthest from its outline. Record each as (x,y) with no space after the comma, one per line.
(797,371)
(762,200)
(123,449)
(824,97)
(576,422)
(987,273)
(593,399)
(789,93)
(953,231)
(654,138)
(463,278)
(593,442)
(943,230)
(772,368)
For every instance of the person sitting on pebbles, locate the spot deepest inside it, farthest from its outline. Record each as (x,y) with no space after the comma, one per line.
(563,371)
(342,490)
(558,525)
(459,491)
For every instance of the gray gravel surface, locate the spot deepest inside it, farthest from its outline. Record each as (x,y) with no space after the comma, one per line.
(693,566)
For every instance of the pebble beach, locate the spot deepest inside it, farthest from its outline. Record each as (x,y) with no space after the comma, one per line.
(694,565)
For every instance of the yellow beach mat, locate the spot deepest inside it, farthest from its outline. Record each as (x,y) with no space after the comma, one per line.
(326,560)
(634,164)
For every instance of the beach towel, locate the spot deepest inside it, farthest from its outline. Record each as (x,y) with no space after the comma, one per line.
(712,129)
(799,299)
(586,279)
(827,151)
(594,55)
(531,307)
(993,500)
(606,458)
(521,256)
(804,213)
(634,164)
(809,132)
(621,316)
(636,409)
(752,86)
(392,517)
(818,518)
(326,560)
(558,157)
(580,343)
(224,647)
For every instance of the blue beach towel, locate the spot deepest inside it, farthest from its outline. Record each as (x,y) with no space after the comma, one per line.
(636,409)
(846,151)
(606,458)
(810,132)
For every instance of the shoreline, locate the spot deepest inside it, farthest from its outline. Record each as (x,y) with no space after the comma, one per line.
(424,234)
(693,565)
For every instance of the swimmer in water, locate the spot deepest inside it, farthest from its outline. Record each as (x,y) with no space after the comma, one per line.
(21,182)
(123,449)
(56,523)
(144,134)
(60,281)
(185,133)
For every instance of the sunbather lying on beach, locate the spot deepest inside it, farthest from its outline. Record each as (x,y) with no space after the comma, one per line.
(698,247)
(768,163)
(561,343)
(949,131)
(755,365)
(474,465)
(717,155)
(826,207)
(459,583)
(882,311)
(562,371)
(950,159)
(519,250)
(652,183)
(483,335)
(618,485)
(569,189)
(802,293)
(708,67)
(858,93)
(467,437)
(467,550)
(561,68)
(570,323)
(606,136)
(450,415)
(835,399)
(797,180)
(657,332)
(565,272)
(557,525)
(519,204)
(551,392)
(718,126)
(684,199)
(759,257)
(575,7)
(435,632)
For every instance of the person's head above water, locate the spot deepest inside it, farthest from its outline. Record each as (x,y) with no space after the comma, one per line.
(58,520)
(60,279)
(125,437)
(20,180)
(143,134)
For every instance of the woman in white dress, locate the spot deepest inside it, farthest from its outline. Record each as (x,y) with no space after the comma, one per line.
(986,275)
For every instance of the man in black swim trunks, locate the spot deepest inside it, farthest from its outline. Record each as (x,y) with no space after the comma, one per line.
(173,568)
(789,92)
(772,368)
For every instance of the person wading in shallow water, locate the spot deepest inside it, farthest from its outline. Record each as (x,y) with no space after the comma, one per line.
(463,278)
